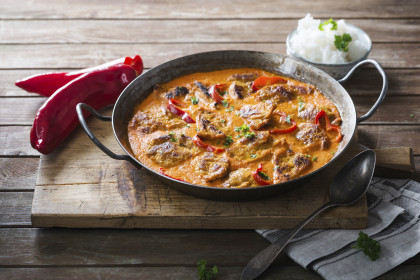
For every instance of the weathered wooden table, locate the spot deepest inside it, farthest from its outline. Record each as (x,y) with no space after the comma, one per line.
(39,36)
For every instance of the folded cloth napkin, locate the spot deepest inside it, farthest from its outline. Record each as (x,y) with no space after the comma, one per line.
(394,209)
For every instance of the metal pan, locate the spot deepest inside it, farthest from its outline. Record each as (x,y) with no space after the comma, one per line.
(142,86)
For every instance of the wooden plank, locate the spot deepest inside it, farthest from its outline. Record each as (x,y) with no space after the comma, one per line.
(286,272)
(31,246)
(81,55)
(135,248)
(21,201)
(390,110)
(224,273)
(14,141)
(20,110)
(18,173)
(182,9)
(78,186)
(395,163)
(180,31)
(374,136)
(15,208)
(365,82)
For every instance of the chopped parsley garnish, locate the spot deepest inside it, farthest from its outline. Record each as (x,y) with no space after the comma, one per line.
(263,175)
(301,104)
(242,128)
(237,113)
(245,131)
(333,22)
(222,121)
(308,156)
(225,104)
(197,129)
(332,152)
(249,135)
(223,93)
(205,273)
(288,119)
(253,156)
(173,139)
(187,125)
(342,42)
(194,100)
(370,247)
(314,158)
(230,109)
(228,141)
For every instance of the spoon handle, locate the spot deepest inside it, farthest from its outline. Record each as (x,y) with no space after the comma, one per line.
(263,259)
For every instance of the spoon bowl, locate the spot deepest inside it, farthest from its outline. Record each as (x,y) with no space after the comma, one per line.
(351,182)
(348,186)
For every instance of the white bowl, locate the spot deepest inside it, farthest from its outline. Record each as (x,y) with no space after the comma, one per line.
(337,71)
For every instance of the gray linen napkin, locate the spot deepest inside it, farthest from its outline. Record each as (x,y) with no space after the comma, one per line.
(394,209)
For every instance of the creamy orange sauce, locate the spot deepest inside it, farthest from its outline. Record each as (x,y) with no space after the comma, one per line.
(280,151)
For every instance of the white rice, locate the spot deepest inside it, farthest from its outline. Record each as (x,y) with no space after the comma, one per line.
(318,46)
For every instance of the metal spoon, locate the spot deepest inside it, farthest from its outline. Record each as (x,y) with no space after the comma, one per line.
(348,186)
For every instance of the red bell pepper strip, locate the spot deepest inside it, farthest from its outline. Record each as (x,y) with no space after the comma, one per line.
(215,94)
(47,83)
(57,117)
(260,181)
(162,171)
(197,140)
(261,82)
(173,108)
(328,125)
(285,130)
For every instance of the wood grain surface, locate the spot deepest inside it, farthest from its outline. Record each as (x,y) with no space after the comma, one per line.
(70,35)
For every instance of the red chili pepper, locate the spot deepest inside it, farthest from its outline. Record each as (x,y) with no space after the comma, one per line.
(261,82)
(197,140)
(57,117)
(162,171)
(47,83)
(328,125)
(173,108)
(215,94)
(260,181)
(286,130)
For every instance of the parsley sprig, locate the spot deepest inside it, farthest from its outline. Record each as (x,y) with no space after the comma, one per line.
(244,130)
(194,100)
(171,134)
(333,22)
(370,247)
(301,104)
(342,42)
(205,273)
(228,141)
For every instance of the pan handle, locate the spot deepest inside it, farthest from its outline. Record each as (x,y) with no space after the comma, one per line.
(92,137)
(383,91)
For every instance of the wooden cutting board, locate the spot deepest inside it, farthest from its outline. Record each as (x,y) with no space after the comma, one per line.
(79,186)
